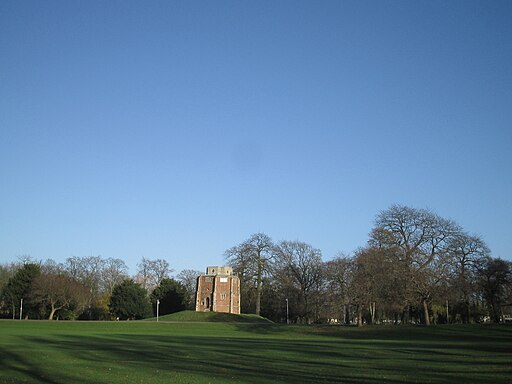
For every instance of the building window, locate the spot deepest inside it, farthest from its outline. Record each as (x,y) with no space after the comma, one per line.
(223,296)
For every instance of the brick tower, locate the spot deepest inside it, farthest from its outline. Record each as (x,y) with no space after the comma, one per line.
(218,291)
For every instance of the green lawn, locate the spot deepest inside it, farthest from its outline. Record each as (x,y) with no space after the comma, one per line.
(217,352)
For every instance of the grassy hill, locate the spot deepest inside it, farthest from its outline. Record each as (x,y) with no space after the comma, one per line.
(210,317)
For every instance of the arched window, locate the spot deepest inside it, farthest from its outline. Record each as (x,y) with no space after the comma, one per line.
(207,303)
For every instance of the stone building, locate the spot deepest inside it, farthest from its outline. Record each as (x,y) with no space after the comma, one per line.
(218,291)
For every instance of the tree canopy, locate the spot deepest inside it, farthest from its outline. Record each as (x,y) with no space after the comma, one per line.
(129,301)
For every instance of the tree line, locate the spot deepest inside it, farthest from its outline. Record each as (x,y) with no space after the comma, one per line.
(416,267)
(92,288)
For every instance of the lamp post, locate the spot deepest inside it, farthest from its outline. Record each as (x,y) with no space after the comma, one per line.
(287,321)
(157,307)
(21,308)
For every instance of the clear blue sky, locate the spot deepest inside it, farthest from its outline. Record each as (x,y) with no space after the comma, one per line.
(176,129)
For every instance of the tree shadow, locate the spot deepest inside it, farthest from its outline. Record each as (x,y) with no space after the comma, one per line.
(270,358)
(258,353)
(245,360)
(23,368)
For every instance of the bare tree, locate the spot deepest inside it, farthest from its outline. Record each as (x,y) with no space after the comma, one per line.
(113,273)
(50,266)
(388,289)
(188,278)
(370,272)
(421,238)
(144,274)
(495,279)
(252,259)
(26,259)
(160,270)
(88,271)
(151,272)
(74,266)
(299,265)
(467,252)
(338,274)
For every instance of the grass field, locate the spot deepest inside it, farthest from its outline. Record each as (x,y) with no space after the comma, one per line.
(250,352)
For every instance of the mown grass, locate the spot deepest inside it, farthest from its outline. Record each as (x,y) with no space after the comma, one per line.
(216,352)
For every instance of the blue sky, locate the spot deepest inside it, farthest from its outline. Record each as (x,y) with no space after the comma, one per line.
(176,129)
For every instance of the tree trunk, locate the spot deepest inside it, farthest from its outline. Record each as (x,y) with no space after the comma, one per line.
(258,285)
(495,312)
(372,312)
(52,313)
(258,295)
(359,316)
(54,309)
(425,312)
(468,312)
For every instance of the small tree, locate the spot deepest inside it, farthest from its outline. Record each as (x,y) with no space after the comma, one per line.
(129,301)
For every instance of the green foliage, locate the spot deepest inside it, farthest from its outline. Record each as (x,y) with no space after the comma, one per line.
(129,301)
(95,312)
(18,287)
(150,352)
(172,295)
(98,310)
(6,272)
(438,312)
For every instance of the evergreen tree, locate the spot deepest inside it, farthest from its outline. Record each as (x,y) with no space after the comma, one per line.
(17,288)
(129,301)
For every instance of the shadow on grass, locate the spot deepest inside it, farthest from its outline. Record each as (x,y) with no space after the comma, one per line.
(23,369)
(254,353)
(270,358)
(242,360)
(476,331)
